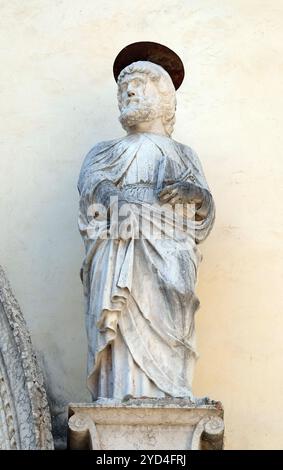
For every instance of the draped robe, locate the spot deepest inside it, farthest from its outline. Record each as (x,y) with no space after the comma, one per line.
(140,293)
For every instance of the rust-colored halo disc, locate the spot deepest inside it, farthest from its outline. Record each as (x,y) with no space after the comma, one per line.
(153,52)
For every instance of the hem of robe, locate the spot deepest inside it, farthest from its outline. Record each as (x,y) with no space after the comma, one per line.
(162,383)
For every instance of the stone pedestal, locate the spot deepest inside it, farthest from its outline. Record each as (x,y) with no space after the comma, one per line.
(146,424)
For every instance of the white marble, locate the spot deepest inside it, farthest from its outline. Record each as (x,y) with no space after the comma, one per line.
(163,424)
(140,287)
(25,422)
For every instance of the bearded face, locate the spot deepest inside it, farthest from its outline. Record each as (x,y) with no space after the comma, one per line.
(139,100)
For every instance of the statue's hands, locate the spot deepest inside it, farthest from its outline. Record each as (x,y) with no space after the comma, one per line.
(182,192)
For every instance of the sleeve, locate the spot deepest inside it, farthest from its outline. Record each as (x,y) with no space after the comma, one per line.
(203,225)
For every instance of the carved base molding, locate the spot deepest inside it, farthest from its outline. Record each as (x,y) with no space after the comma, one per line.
(146,424)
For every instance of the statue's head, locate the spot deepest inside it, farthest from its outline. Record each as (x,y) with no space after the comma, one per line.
(146,93)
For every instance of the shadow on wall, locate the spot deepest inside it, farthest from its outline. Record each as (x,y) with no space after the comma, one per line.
(57,404)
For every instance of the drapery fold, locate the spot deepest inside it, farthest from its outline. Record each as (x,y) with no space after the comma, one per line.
(140,292)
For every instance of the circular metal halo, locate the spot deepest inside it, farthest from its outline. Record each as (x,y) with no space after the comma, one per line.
(153,52)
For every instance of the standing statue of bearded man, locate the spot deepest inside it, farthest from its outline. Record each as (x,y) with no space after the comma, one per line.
(140,289)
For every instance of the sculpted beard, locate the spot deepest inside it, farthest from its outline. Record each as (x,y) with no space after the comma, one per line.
(139,110)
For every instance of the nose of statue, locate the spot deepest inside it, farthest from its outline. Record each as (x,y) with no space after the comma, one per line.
(131,93)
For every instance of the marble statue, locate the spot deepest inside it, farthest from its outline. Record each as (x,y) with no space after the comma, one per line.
(140,286)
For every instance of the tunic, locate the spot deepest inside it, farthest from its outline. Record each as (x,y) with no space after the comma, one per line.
(139,292)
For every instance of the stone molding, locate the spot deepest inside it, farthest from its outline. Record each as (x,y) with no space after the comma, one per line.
(25,422)
(145,424)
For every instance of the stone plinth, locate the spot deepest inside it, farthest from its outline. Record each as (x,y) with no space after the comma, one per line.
(146,424)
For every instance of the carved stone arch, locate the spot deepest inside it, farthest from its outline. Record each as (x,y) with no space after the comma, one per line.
(24,414)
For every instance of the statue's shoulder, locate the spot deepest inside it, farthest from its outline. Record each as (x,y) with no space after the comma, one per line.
(93,155)
(190,157)
(188,152)
(99,148)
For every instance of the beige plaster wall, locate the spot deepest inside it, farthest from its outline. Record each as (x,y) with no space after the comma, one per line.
(58,98)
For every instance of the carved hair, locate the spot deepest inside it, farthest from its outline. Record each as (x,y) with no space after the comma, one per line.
(165,86)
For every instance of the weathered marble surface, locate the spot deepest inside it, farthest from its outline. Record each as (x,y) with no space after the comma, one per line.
(146,424)
(24,414)
(140,287)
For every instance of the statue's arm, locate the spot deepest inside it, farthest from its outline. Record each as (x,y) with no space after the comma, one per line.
(186,192)
(192,189)
(104,191)
(205,206)
(94,184)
